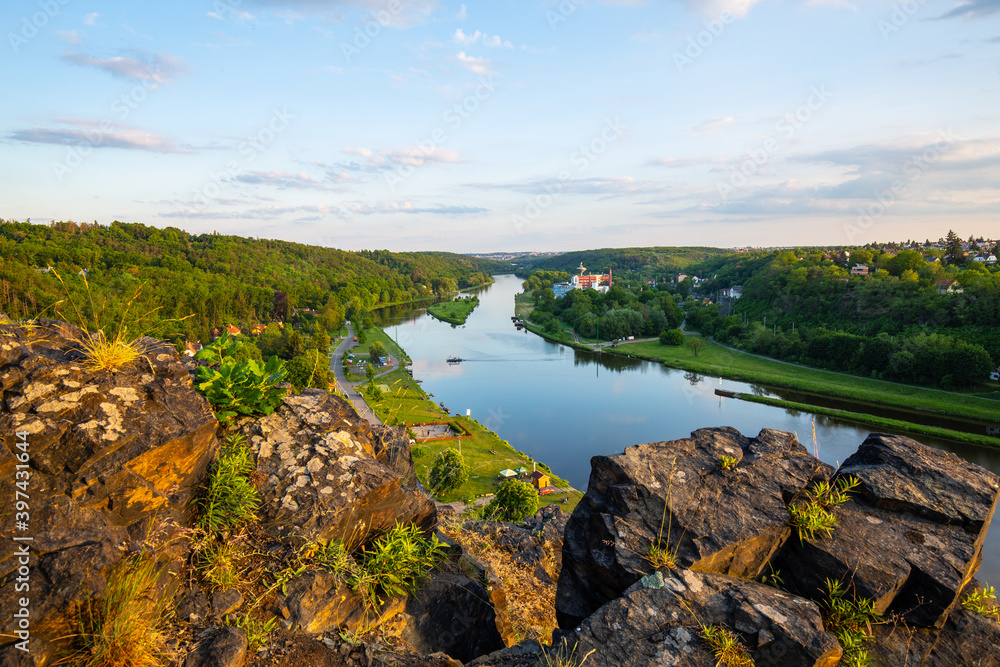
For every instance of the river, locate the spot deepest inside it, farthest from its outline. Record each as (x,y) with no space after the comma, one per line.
(564,406)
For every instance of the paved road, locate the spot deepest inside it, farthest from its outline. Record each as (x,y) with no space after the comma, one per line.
(349,389)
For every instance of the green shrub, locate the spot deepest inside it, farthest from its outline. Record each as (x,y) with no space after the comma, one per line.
(238,387)
(230,499)
(851,623)
(672,337)
(726,647)
(513,501)
(812,515)
(395,563)
(448,472)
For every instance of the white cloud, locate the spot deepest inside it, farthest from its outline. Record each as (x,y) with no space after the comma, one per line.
(91,19)
(714,8)
(461,38)
(71,37)
(712,127)
(462,13)
(494,41)
(480,66)
(160,68)
(103,134)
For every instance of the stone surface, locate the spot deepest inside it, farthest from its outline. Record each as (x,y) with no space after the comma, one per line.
(222,647)
(730,522)
(911,538)
(657,622)
(318,602)
(452,614)
(528,653)
(107,452)
(225,602)
(328,475)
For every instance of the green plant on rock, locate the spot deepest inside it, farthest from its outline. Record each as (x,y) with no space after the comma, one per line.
(983,601)
(811,516)
(230,499)
(258,631)
(219,562)
(727,462)
(395,563)
(725,646)
(238,387)
(659,554)
(851,622)
(332,556)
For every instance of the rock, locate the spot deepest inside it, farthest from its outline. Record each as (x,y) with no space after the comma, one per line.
(730,522)
(452,614)
(223,647)
(319,602)
(528,653)
(225,602)
(911,538)
(322,473)
(192,607)
(658,620)
(111,454)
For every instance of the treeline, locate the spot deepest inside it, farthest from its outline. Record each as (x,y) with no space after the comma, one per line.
(618,313)
(923,315)
(197,283)
(626,263)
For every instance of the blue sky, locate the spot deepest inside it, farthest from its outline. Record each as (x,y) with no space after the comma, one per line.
(425,124)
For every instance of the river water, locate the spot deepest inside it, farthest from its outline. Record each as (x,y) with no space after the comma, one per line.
(564,406)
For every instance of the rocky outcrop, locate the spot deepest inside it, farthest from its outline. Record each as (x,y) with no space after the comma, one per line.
(658,620)
(322,477)
(105,451)
(223,647)
(912,537)
(674,495)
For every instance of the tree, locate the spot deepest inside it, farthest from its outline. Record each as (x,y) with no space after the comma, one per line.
(953,248)
(369,372)
(448,472)
(513,501)
(696,344)
(672,337)
(376,350)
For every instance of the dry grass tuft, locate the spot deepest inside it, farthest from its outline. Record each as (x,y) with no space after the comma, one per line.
(125,627)
(531,603)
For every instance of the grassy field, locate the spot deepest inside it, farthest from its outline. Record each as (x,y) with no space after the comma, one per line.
(454,312)
(714,359)
(485,452)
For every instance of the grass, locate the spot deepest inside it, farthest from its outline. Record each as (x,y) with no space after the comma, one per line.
(725,646)
(230,499)
(812,516)
(873,420)
(983,601)
(126,626)
(454,312)
(659,554)
(218,561)
(851,623)
(485,453)
(714,359)
(531,603)
(564,657)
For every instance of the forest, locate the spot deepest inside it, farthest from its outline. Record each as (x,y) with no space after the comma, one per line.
(924,313)
(182,286)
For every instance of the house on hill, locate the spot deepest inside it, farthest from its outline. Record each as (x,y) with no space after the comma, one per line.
(233,330)
(949,286)
(859,270)
(539,480)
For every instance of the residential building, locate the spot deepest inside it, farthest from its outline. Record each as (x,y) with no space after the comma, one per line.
(859,270)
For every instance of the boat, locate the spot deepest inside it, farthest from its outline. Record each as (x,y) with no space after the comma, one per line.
(454,360)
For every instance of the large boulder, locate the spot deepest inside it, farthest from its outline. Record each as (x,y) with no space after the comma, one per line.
(327,474)
(107,452)
(658,622)
(911,538)
(674,494)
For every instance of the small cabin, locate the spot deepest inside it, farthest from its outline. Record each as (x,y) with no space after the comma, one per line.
(539,480)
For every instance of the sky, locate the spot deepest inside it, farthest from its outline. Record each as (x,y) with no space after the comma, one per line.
(507,126)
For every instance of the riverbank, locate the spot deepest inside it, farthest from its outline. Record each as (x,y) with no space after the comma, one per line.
(720,361)
(715,359)
(406,403)
(454,312)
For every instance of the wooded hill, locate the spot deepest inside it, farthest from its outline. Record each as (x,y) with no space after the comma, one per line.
(215,279)
(653,262)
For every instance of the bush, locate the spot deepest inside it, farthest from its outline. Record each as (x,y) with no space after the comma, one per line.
(513,501)
(395,564)
(672,337)
(308,370)
(448,472)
